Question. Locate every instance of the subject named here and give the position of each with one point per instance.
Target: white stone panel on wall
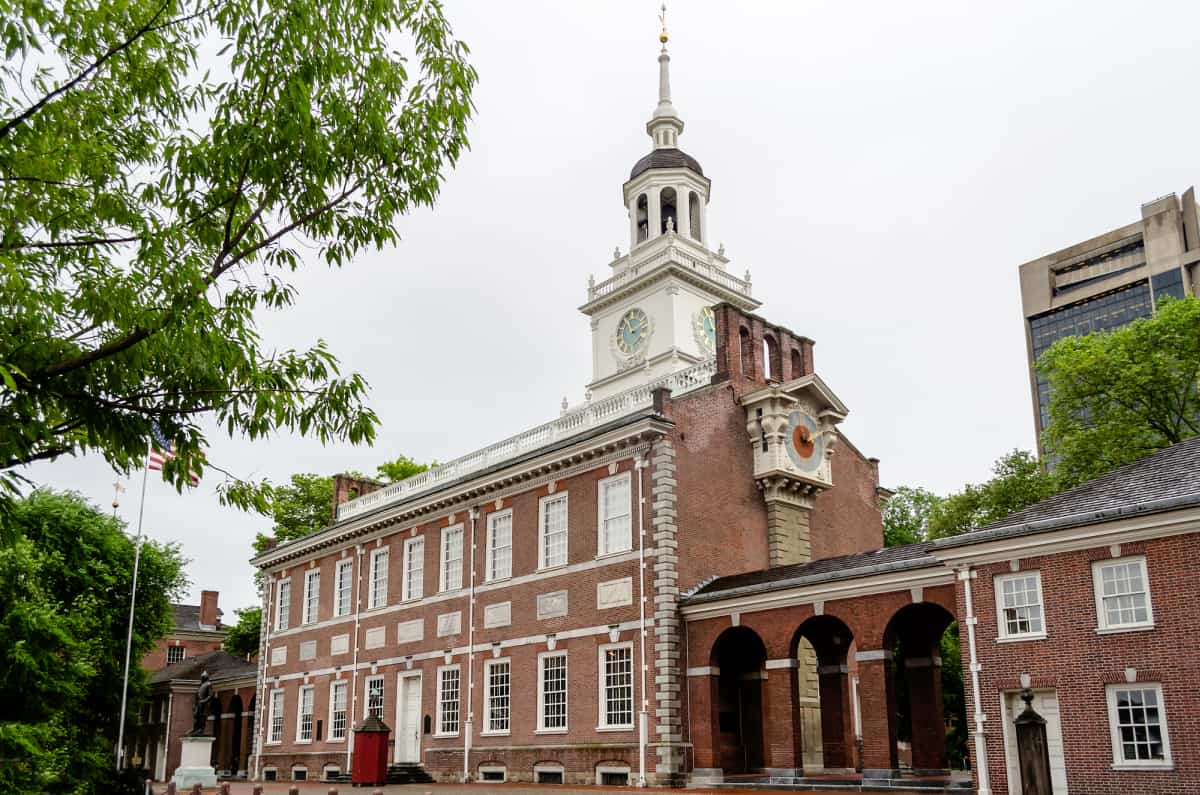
(308, 650)
(409, 631)
(614, 593)
(552, 605)
(279, 655)
(375, 637)
(449, 624)
(339, 644)
(497, 615)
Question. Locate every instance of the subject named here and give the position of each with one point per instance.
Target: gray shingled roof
(861, 564)
(666, 158)
(220, 664)
(187, 617)
(1166, 480)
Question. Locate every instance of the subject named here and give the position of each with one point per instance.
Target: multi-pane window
(174, 654)
(375, 697)
(377, 596)
(452, 558)
(345, 587)
(552, 521)
(304, 717)
(1019, 605)
(497, 702)
(283, 604)
(337, 710)
(312, 594)
(1122, 593)
(449, 688)
(275, 717)
(499, 545)
(615, 513)
(552, 692)
(1139, 726)
(616, 686)
(414, 568)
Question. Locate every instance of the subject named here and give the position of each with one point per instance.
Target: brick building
(195, 629)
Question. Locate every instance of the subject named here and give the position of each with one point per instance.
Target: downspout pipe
(470, 727)
(353, 706)
(981, 772)
(643, 717)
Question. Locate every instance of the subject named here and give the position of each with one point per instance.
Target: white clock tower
(652, 316)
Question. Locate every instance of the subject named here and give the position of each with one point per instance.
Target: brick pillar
(702, 689)
(924, 675)
(837, 716)
(877, 700)
(781, 718)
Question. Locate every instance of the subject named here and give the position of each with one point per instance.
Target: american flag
(162, 451)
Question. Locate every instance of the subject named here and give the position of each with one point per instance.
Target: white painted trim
(541, 529)
(600, 486)
(411, 544)
(775, 665)
(490, 547)
(400, 693)
(602, 696)
(333, 683)
(311, 576)
(488, 665)
(998, 596)
(438, 731)
(367, 694)
(1167, 762)
(602, 769)
(300, 712)
(376, 575)
(704, 670)
(873, 655)
(343, 565)
(444, 584)
(542, 728)
(271, 714)
(279, 600)
(1098, 591)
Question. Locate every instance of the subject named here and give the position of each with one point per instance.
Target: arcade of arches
(818, 686)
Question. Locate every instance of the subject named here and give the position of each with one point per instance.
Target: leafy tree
(906, 515)
(1018, 480)
(403, 467)
(156, 193)
(242, 638)
(1119, 395)
(64, 606)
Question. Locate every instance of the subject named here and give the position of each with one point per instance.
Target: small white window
(615, 514)
(175, 654)
(414, 568)
(374, 697)
(499, 545)
(275, 718)
(552, 691)
(345, 586)
(337, 710)
(304, 715)
(616, 686)
(283, 604)
(449, 688)
(312, 595)
(552, 521)
(495, 774)
(1137, 719)
(377, 596)
(1122, 594)
(1019, 605)
(497, 699)
(452, 558)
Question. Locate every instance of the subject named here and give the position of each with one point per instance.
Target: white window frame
(566, 531)
(1119, 762)
(438, 730)
(182, 654)
(603, 724)
(445, 582)
(310, 690)
(367, 695)
(412, 578)
(333, 688)
(343, 582)
(378, 579)
(542, 728)
(1002, 631)
(275, 717)
(488, 665)
(311, 611)
(601, 538)
(1102, 624)
(283, 604)
(491, 572)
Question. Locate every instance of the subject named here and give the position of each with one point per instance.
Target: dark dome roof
(666, 158)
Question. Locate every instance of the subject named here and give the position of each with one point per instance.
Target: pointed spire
(664, 126)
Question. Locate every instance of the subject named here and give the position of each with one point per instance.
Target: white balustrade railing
(672, 249)
(572, 422)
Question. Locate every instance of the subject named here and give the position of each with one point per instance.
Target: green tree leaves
(906, 515)
(243, 637)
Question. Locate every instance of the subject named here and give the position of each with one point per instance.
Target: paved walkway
(313, 788)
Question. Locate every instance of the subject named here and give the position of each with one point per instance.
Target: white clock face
(633, 332)
(804, 443)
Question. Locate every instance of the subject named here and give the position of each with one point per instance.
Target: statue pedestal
(194, 767)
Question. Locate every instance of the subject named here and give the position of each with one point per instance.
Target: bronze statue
(204, 697)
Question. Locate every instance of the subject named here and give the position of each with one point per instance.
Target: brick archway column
(837, 716)
(702, 690)
(924, 676)
(877, 699)
(781, 718)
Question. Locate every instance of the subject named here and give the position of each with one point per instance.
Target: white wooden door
(1045, 703)
(408, 719)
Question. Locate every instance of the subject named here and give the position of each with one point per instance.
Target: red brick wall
(846, 518)
(156, 659)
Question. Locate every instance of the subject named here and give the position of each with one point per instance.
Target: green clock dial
(633, 331)
(704, 327)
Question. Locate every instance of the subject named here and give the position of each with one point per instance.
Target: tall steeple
(664, 126)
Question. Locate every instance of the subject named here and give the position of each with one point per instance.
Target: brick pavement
(314, 788)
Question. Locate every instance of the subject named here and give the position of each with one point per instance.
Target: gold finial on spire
(663, 19)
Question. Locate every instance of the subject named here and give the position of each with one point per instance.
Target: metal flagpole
(137, 556)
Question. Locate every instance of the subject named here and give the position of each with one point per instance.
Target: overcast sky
(881, 168)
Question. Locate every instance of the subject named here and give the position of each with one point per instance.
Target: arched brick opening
(214, 712)
(747, 352)
(668, 218)
(797, 364)
(739, 654)
(914, 635)
(772, 360)
(642, 208)
(832, 643)
(233, 761)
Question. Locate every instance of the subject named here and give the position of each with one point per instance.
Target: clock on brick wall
(804, 443)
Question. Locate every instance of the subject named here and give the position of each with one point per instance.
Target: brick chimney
(208, 608)
(347, 487)
(752, 352)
